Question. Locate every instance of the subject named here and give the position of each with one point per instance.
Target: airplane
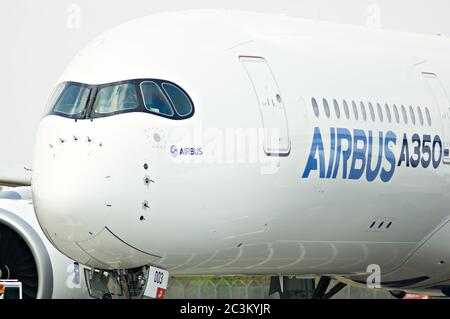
(30, 267)
(216, 142)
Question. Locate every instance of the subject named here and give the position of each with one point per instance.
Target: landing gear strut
(123, 284)
(293, 288)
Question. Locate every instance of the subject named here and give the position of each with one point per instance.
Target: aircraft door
(442, 102)
(276, 134)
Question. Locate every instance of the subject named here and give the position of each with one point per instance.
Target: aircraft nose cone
(71, 188)
(70, 201)
(90, 183)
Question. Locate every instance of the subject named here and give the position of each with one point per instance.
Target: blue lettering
(404, 154)
(371, 174)
(386, 175)
(426, 149)
(316, 147)
(437, 142)
(342, 134)
(359, 154)
(332, 152)
(416, 153)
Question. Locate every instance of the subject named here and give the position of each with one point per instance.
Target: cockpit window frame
(171, 99)
(77, 116)
(92, 115)
(88, 112)
(166, 99)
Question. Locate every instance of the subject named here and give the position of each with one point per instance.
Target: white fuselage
(204, 196)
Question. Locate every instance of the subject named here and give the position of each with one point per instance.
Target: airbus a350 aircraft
(221, 143)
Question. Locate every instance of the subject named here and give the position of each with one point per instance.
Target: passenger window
(355, 110)
(326, 108)
(179, 99)
(380, 112)
(346, 111)
(315, 107)
(363, 111)
(388, 113)
(73, 100)
(427, 112)
(419, 111)
(116, 98)
(372, 113)
(155, 100)
(413, 116)
(337, 109)
(397, 115)
(405, 116)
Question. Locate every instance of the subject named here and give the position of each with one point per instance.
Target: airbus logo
(369, 155)
(174, 151)
(186, 151)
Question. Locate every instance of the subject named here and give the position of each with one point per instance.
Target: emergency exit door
(271, 105)
(442, 102)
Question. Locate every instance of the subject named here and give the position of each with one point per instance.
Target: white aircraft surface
(223, 143)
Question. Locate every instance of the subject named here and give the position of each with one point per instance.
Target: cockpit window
(73, 100)
(180, 101)
(80, 101)
(155, 100)
(116, 98)
(54, 97)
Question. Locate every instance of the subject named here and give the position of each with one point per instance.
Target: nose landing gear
(135, 283)
(112, 284)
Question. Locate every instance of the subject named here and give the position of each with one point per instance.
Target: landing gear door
(442, 102)
(271, 105)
